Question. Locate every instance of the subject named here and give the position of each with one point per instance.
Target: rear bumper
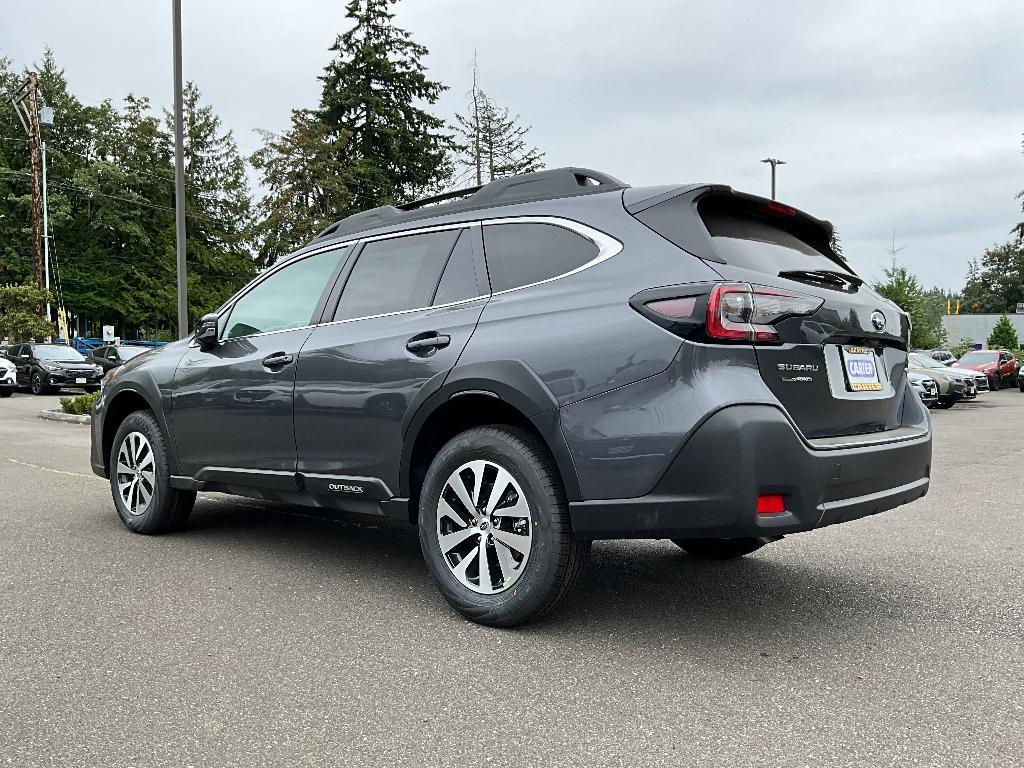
(710, 489)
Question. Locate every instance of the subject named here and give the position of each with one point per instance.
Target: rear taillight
(738, 312)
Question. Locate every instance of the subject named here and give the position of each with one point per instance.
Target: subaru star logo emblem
(878, 320)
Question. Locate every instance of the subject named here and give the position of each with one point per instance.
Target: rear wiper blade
(823, 276)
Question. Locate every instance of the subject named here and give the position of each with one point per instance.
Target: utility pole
(25, 101)
(179, 176)
(774, 163)
(46, 238)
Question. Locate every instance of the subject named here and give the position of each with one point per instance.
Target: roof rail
(541, 185)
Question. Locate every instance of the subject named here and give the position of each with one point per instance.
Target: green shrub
(1004, 335)
(79, 406)
(961, 349)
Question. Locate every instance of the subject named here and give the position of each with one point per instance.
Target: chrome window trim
(607, 246)
(406, 311)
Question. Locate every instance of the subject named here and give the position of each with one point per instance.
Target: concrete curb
(70, 418)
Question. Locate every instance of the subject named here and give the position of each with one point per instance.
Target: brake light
(770, 504)
(779, 209)
(742, 312)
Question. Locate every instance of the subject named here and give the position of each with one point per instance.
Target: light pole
(774, 163)
(179, 176)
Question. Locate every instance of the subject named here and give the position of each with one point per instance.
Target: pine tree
(218, 208)
(1004, 335)
(491, 141)
(306, 183)
(371, 92)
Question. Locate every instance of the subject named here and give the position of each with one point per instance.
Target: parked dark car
(48, 368)
(112, 355)
(526, 366)
(998, 365)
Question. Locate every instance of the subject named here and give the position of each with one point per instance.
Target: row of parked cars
(48, 368)
(941, 380)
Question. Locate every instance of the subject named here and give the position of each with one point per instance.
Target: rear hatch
(831, 350)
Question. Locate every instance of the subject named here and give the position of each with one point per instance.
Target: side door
(18, 356)
(408, 306)
(101, 356)
(1007, 365)
(231, 406)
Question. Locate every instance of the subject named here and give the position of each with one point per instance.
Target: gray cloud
(904, 116)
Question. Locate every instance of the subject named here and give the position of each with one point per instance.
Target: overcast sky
(890, 115)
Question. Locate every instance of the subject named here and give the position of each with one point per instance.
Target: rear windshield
(755, 236)
(979, 358)
(57, 353)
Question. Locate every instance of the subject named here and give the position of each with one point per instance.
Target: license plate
(861, 370)
(79, 381)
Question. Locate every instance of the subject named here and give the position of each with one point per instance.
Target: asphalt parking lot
(264, 635)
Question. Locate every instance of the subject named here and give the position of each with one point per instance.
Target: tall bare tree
(491, 141)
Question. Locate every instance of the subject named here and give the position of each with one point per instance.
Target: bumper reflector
(770, 504)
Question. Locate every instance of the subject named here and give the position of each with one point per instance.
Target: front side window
(395, 274)
(286, 299)
(523, 254)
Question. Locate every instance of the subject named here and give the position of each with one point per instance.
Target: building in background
(977, 327)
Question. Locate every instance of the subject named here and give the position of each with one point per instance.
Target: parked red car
(999, 365)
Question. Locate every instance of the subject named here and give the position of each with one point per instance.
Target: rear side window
(395, 274)
(285, 299)
(523, 254)
(459, 279)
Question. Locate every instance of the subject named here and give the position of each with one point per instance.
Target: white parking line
(55, 471)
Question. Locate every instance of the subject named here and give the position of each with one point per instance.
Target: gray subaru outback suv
(523, 367)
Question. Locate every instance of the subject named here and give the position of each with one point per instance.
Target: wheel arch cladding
(123, 404)
(453, 411)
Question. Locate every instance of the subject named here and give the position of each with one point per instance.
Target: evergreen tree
(306, 183)
(372, 92)
(836, 243)
(1004, 335)
(218, 208)
(903, 288)
(491, 142)
(996, 283)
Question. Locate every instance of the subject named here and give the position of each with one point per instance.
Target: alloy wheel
(37, 384)
(484, 527)
(136, 473)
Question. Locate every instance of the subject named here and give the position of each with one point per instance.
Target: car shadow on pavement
(642, 592)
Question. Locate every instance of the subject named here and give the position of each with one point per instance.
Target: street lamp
(774, 163)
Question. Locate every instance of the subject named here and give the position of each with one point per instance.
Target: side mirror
(207, 335)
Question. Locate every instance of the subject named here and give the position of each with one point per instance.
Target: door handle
(277, 360)
(436, 341)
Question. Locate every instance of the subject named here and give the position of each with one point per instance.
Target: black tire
(719, 549)
(168, 507)
(556, 559)
(8, 391)
(945, 404)
(995, 383)
(37, 386)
